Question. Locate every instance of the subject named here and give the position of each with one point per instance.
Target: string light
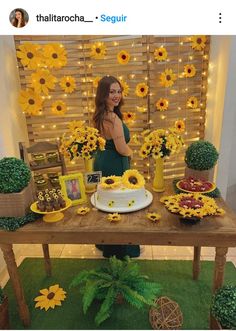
(135, 59)
(180, 60)
(65, 95)
(54, 126)
(42, 126)
(115, 43)
(163, 117)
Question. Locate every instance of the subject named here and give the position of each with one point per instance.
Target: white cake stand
(107, 209)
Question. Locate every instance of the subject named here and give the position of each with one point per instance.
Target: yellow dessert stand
(51, 216)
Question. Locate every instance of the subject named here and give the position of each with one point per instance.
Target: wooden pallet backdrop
(142, 67)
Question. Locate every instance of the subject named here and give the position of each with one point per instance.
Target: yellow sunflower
(55, 55)
(74, 125)
(123, 57)
(115, 217)
(85, 154)
(98, 50)
(129, 116)
(43, 81)
(68, 84)
(179, 126)
(30, 102)
(29, 55)
(143, 152)
(192, 102)
(189, 70)
(167, 78)
(83, 210)
(141, 90)
(198, 42)
(162, 104)
(96, 81)
(133, 179)
(125, 88)
(154, 217)
(160, 54)
(59, 107)
(50, 297)
(101, 143)
(110, 182)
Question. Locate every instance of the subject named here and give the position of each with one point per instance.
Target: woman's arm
(117, 134)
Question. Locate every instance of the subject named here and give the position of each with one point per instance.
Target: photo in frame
(73, 188)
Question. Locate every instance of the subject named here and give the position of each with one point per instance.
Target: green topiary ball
(201, 155)
(223, 306)
(14, 175)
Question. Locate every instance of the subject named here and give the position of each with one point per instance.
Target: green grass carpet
(175, 278)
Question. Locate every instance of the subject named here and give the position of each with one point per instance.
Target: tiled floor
(90, 251)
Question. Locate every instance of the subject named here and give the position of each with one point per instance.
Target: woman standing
(114, 160)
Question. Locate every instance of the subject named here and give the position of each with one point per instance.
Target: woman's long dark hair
(15, 21)
(102, 94)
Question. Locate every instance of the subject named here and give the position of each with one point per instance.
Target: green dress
(110, 162)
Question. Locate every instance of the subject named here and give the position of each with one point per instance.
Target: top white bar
(92, 17)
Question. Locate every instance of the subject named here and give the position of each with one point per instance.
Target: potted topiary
(200, 158)
(119, 281)
(223, 308)
(4, 316)
(16, 189)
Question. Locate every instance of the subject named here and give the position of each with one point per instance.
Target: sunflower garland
(82, 141)
(179, 126)
(132, 179)
(59, 108)
(189, 70)
(192, 205)
(129, 117)
(125, 88)
(198, 42)
(55, 55)
(110, 182)
(192, 102)
(30, 102)
(123, 57)
(115, 217)
(160, 54)
(30, 55)
(160, 143)
(154, 217)
(68, 84)
(98, 51)
(43, 81)
(162, 104)
(83, 211)
(50, 298)
(167, 78)
(141, 90)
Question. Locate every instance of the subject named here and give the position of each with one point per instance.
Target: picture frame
(72, 187)
(93, 177)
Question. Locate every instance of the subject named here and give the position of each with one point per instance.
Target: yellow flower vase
(88, 164)
(158, 182)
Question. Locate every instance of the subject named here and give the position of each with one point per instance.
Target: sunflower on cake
(122, 193)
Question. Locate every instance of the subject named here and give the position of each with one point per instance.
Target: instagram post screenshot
(117, 165)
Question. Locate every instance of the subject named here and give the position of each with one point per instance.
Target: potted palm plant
(200, 158)
(16, 189)
(223, 308)
(4, 316)
(119, 281)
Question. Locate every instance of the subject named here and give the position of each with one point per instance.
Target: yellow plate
(212, 189)
(51, 216)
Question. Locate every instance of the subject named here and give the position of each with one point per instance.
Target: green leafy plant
(14, 175)
(223, 306)
(201, 155)
(2, 296)
(119, 278)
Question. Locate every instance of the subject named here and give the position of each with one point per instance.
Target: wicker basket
(17, 204)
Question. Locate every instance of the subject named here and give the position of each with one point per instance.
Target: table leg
(220, 260)
(9, 258)
(47, 261)
(196, 262)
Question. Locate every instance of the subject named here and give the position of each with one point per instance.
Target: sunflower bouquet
(82, 142)
(160, 143)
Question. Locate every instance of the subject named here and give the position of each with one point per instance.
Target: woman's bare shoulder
(111, 117)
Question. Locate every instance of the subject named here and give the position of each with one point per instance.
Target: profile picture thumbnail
(19, 17)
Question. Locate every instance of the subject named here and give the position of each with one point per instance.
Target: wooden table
(134, 228)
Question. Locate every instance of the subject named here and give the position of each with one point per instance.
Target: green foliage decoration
(223, 306)
(14, 175)
(1, 296)
(120, 277)
(14, 223)
(201, 155)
